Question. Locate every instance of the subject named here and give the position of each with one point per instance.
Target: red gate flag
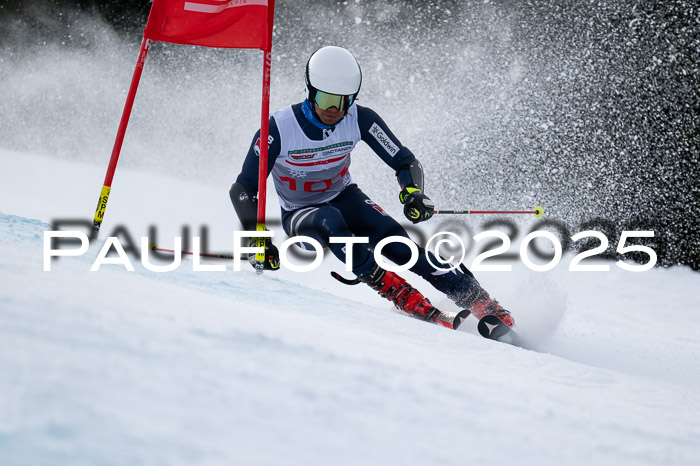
(212, 23)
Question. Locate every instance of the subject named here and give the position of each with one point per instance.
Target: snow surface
(220, 368)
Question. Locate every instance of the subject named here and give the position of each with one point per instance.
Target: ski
(493, 328)
(451, 320)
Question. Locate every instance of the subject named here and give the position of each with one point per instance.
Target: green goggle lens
(326, 100)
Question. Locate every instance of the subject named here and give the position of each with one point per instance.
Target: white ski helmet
(336, 74)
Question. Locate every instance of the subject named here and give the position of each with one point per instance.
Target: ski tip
(493, 328)
(343, 280)
(459, 318)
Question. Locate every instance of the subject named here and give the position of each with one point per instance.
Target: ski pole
(538, 212)
(154, 247)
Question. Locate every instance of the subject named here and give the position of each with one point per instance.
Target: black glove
(417, 207)
(272, 255)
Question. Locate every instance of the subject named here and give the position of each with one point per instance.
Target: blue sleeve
(385, 144)
(249, 173)
(379, 137)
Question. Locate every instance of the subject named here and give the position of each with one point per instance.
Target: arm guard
(410, 174)
(246, 205)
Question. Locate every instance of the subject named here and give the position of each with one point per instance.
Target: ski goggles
(325, 100)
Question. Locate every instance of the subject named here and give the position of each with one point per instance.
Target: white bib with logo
(311, 172)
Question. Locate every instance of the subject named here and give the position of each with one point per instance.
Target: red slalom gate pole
(264, 134)
(538, 212)
(116, 150)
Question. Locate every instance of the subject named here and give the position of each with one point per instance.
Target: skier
(309, 156)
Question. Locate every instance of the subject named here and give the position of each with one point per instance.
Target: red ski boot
(485, 304)
(404, 296)
(478, 301)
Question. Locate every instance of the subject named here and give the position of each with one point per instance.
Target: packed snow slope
(229, 368)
